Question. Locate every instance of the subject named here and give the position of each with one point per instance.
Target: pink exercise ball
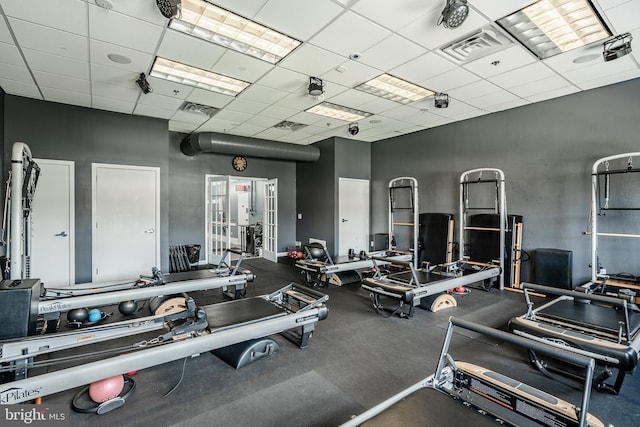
(108, 388)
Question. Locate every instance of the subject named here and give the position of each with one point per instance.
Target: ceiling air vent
(477, 45)
(205, 110)
(285, 125)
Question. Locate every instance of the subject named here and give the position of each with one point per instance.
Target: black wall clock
(239, 163)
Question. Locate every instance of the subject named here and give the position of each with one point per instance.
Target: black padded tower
(484, 245)
(19, 307)
(554, 267)
(434, 237)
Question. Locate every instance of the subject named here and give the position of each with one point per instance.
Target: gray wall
(187, 192)
(546, 151)
(86, 136)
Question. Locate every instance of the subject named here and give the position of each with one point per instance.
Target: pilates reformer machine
(320, 269)
(433, 286)
(462, 393)
(601, 318)
(291, 311)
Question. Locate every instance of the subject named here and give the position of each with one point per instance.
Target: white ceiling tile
(610, 79)
(189, 117)
(111, 104)
(247, 106)
(495, 10)
(5, 35)
(216, 125)
(66, 97)
(113, 76)
(153, 111)
(601, 69)
(183, 127)
(391, 52)
(284, 80)
(121, 93)
(131, 32)
(564, 62)
(168, 88)
(309, 17)
(507, 105)
(426, 31)
(232, 116)
(9, 54)
(62, 82)
(553, 94)
(608, 4)
(65, 15)
(304, 118)
(454, 109)
(500, 62)
(140, 61)
(262, 121)
(41, 61)
(15, 73)
(378, 105)
(540, 86)
(393, 14)
(352, 98)
(624, 17)
(241, 66)
(473, 90)
(297, 101)
(246, 8)
(13, 87)
(362, 34)
(207, 97)
(161, 101)
(277, 112)
(423, 67)
(201, 54)
(495, 98)
(259, 94)
(247, 129)
(145, 10)
(45, 39)
(311, 61)
(522, 75)
(350, 73)
(449, 80)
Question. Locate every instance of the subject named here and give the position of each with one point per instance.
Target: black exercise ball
(78, 315)
(128, 307)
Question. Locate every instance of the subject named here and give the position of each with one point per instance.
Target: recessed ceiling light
(550, 27)
(395, 89)
(120, 59)
(220, 26)
(167, 69)
(339, 112)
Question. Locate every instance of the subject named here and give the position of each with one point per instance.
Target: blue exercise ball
(94, 315)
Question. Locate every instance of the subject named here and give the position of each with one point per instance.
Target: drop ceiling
(58, 51)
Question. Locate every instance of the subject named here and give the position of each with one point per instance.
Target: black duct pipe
(211, 142)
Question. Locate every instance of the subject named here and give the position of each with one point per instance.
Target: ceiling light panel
(395, 89)
(339, 112)
(184, 74)
(550, 27)
(217, 25)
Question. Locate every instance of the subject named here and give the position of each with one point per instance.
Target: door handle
(61, 234)
(149, 231)
(344, 220)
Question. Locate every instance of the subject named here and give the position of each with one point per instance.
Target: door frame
(94, 240)
(72, 213)
(367, 245)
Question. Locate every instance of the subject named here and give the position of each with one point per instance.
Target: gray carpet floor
(356, 359)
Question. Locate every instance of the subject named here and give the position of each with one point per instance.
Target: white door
(270, 226)
(217, 213)
(53, 224)
(126, 221)
(353, 211)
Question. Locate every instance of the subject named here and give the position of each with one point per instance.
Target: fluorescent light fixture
(550, 27)
(217, 25)
(339, 112)
(167, 69)
(395, 89)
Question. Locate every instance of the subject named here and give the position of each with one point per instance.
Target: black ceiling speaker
(454, 13)
(169, 8)
(617, 47)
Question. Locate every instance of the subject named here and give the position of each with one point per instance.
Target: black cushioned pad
(605, 319)
(190, 275)
(429, 407)
(423, 277)
(241, 311)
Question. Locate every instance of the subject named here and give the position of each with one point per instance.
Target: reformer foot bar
(603, 328)
(424, 287)
(326, 270)
(233, 282)
(291, 311)
(461, 393)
